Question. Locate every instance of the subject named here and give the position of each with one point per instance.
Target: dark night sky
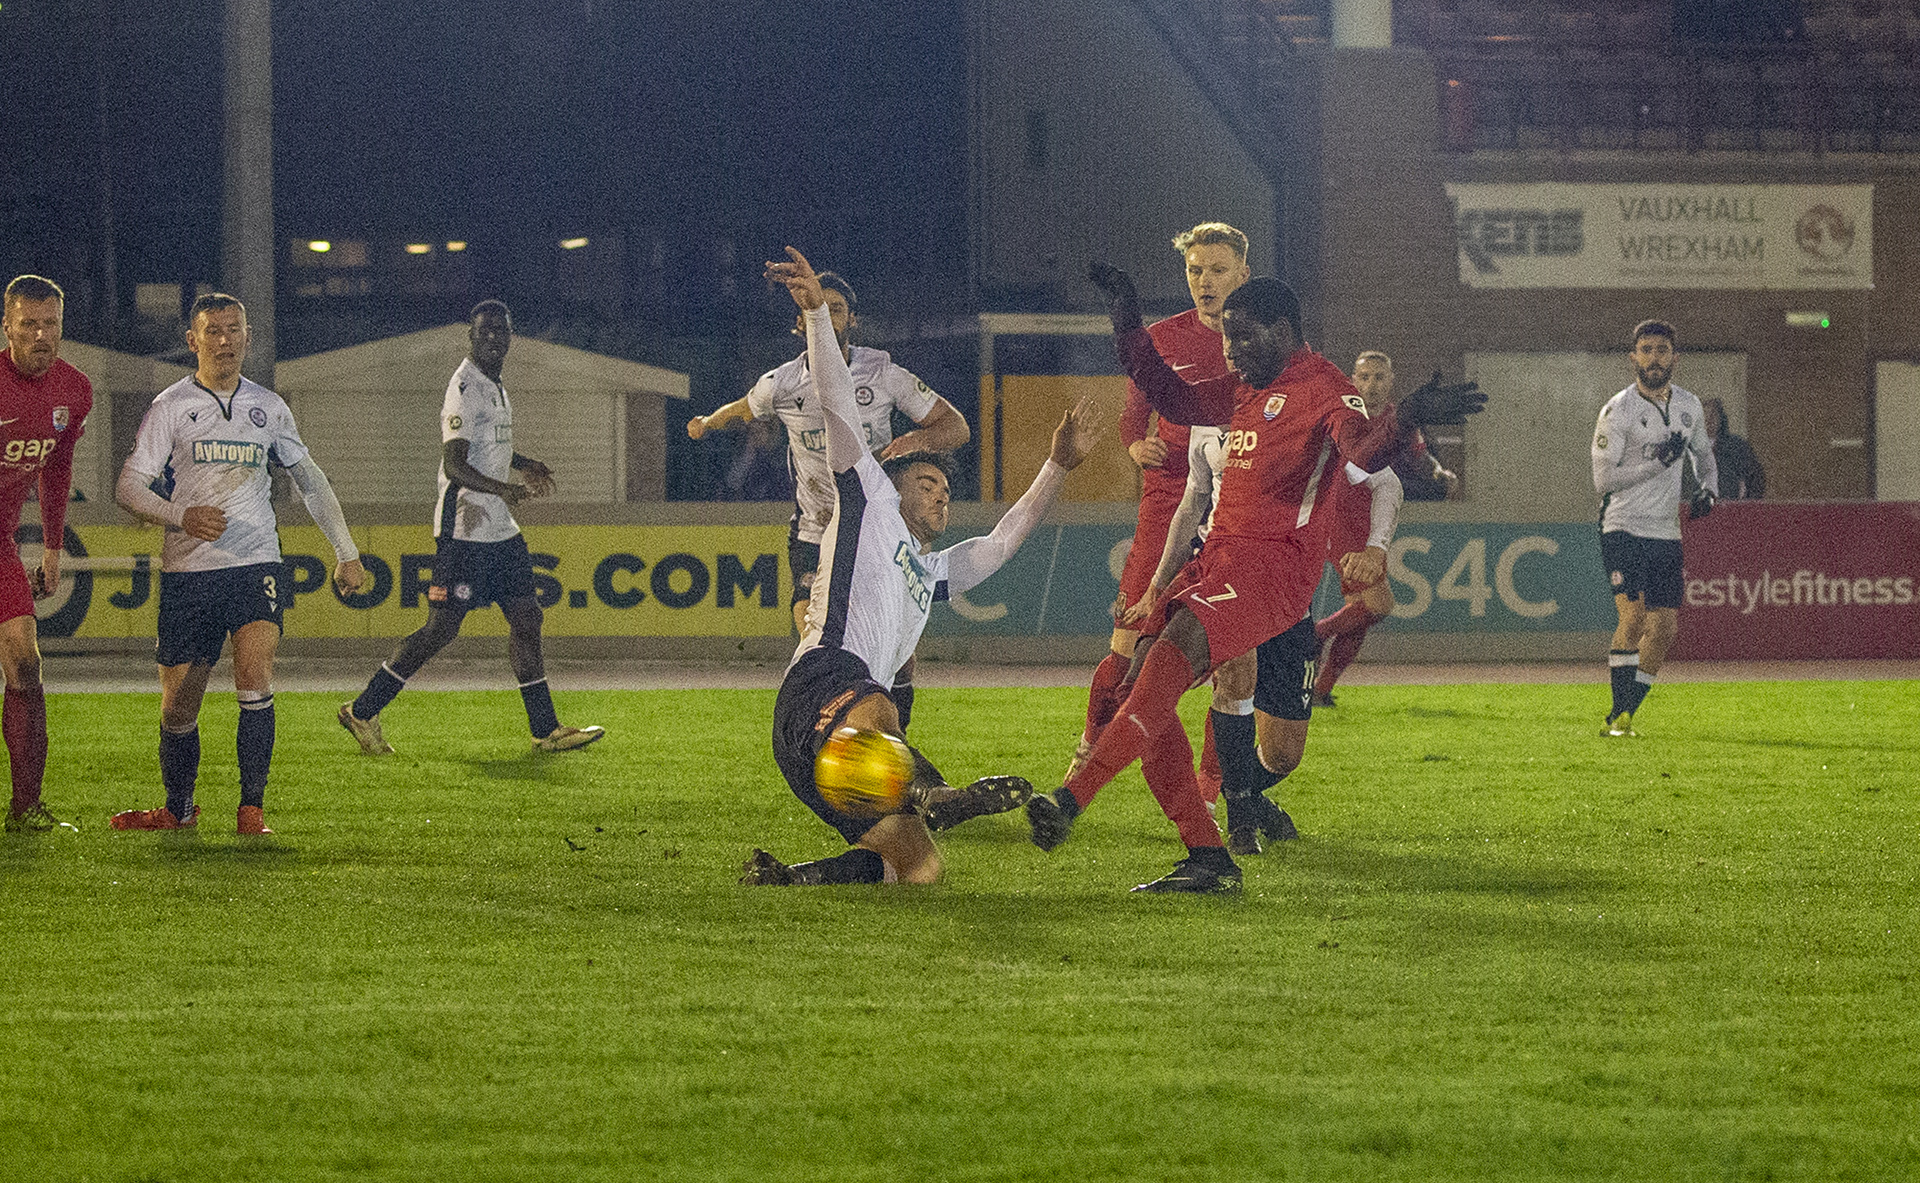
(761, 121)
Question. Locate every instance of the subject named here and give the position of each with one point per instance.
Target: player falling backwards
(879, 388)
(43, 403)
(1291, 414)
(879, 578)
(1637, 443)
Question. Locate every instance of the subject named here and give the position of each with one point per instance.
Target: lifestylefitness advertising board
(1762, 580)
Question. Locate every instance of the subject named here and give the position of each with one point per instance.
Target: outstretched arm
(832, 381)
(971, 561)
(1209, 401)
(732, 415)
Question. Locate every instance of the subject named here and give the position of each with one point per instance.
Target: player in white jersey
(879, 388)
(1641, 435)
(480, 556)
(881, 578)
(200, 468)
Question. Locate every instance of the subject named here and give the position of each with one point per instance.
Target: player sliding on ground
(878, 580)
(1292, 418)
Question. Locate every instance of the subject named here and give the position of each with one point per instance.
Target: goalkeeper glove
(1123, 299)
(1701, 505)
(1670, 448)
(1437, 403)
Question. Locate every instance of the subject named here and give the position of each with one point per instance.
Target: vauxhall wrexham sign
(1664, 236)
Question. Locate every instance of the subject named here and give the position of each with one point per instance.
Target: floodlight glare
(319, 246)
(572, 244)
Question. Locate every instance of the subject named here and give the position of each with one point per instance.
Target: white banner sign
(1664, 236)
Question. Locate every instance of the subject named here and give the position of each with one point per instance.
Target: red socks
(23, 720)
(1353, 616)
(1210, 774)
(1103, 696)
(1144, 726)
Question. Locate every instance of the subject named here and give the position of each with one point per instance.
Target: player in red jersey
(1364, 513)
(1216, 263)
(43, 402)
(1290, 415)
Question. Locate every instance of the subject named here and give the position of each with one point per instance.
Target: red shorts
(1157, 507)
(16, 594)
(1245, 590)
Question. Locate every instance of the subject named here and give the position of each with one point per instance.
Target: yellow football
(864, 773)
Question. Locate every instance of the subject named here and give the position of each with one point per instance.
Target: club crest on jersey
(863, 395)
(1686, 418)
(258, 416)
(240, 453)
(918, 589)
(1356, 402)
(454, 422)
(1273, 405)
(61, 417)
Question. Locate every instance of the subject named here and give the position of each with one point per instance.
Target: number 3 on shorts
(267, 585)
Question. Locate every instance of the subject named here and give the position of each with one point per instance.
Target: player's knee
(22, 669)
(1278, 758)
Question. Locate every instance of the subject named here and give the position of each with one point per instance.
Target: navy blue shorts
(468, 575)
(814, 699)
(1644, 569)
(1288, 664)
(200, 609)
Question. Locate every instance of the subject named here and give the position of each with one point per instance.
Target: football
(864, 773)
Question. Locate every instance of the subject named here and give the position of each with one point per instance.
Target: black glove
(1701, 505)
(1123, 299)
(1671, 448)
(1437, 403)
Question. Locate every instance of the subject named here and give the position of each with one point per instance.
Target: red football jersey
(40, 421)
(1194, 352)
(1285, 441)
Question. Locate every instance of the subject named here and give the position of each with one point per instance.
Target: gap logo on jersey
(1240, 441)
(918, 589)
(239, 453)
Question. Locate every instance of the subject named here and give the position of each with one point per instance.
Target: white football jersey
(787, 393)
(209, 450)
(1640, 495)
(875, 587)
(476, 410)
(1206, 454)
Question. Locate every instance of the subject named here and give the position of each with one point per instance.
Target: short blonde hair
(1373, 355)
(1212, 234)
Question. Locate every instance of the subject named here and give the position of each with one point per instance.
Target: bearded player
(1291, 416)
(43, 403)
(881, 577)
(1216, 264)
(1366, 507)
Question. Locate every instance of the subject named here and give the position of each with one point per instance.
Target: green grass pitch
(1505, 949)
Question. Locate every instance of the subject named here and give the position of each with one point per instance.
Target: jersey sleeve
(914, 398)
(760, 398)
(1613, 468)
(1705, 463)
(462, 413)
(287, 449)
(1208, 401)
(153, 446)
(56, 476)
